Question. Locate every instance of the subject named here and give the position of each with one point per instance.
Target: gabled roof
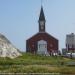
(41, 34)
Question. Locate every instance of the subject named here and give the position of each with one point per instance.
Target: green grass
(36, 63)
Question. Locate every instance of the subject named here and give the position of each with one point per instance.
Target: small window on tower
(42, 27)
(42, 23)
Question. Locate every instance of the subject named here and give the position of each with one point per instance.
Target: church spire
(42, 21)
(42, 16)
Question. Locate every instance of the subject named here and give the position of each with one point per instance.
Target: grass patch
(36, 63)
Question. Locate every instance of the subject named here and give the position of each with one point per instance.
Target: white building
(70, 42)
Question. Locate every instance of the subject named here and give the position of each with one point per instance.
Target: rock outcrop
(7, 49)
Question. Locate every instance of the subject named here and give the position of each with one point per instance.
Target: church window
(51, 45)
(32, 45)
(39, 46)
(45, 46)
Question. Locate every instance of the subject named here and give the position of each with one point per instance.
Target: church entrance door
(42, 47)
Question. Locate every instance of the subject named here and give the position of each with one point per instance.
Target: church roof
(43, 35)
(42, 16)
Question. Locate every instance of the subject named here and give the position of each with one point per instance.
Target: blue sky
(19, 19)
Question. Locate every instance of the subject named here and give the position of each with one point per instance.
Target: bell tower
(42, 21)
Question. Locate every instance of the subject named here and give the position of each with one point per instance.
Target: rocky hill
(7, 49)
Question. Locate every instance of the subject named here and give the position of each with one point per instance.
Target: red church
(42, 42)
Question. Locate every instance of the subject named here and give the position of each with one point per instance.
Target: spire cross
(41, 2)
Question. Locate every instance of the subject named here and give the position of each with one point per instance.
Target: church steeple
(42, 16)
(42, 21)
